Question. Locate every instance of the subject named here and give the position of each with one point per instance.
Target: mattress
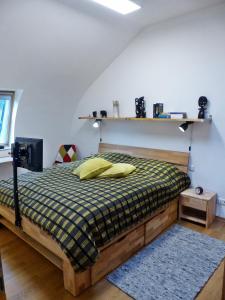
(82, 216)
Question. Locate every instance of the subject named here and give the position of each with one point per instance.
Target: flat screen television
(29, 153)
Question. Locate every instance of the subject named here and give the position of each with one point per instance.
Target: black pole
(15, 185)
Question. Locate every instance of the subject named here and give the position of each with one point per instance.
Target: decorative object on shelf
(178, 115)
(94, 114)
(97, 123)
(140, 107)
(103, 113)
(164, 116)
(199, 190)
(183, 127)
(157, 109)
(202, 103)
(116, 111)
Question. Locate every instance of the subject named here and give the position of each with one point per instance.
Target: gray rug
(175, 266)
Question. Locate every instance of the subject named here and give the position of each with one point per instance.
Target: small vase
(116, 113)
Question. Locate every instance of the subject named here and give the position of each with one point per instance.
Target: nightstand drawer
(194, 203)
(118, 253)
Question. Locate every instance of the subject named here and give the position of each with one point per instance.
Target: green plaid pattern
(83, 215)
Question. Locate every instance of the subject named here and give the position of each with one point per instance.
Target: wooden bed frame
(115, 252)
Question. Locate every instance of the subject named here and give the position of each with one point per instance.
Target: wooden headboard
(179, 159)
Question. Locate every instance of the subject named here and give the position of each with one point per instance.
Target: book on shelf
(178, 115)
(164, 116)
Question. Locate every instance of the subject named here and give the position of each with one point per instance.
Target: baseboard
(220, 219)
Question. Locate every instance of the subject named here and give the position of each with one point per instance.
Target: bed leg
(75, 283)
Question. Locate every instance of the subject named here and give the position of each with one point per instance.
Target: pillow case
(118, 170)
(92, 168)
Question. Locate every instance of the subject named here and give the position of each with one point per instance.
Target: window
(6, 106)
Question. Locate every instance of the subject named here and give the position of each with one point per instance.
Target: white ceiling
(153, 11)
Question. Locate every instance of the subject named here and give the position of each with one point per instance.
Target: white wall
(45, 51)
(6, 170)
(174, 62)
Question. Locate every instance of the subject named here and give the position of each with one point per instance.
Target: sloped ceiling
(51, 43)
(119, 30)
(153, 11)
(68, 43)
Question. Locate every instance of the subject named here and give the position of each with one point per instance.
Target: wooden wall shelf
(147, 119)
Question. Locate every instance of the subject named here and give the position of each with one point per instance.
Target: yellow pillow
(92, 168)
(118, 170)
(77, 171)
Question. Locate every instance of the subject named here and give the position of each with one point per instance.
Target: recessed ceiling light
(123, 7)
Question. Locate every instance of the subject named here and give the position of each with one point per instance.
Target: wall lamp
(183, 127)
(97, 123)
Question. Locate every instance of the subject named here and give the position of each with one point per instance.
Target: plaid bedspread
(81, 216)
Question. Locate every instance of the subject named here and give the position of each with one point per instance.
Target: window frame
(12, 95)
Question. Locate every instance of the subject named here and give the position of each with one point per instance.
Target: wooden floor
(30, 276)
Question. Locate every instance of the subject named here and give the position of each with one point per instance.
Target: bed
(88, 228)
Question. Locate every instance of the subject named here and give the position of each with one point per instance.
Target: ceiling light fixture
(123, 7)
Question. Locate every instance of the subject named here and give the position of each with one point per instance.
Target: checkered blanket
(83, 215)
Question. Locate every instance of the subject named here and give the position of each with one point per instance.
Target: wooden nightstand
(197, 208)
